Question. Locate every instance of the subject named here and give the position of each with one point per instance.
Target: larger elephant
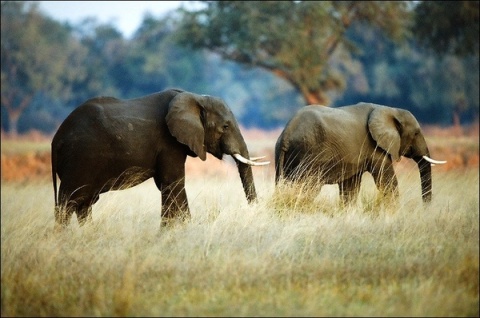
(337, 145)
(109, 144)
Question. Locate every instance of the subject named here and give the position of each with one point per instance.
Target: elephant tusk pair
(251, 161)
(433, 162)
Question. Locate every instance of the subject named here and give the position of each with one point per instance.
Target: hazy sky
(126, 16)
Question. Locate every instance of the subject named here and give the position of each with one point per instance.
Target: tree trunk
(14, 113)
(457, 127)
(13, 123)
(315, 97)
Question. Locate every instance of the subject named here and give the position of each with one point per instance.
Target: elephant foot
(168, 223)
(59, 228)
(173, 218)
(85, 220)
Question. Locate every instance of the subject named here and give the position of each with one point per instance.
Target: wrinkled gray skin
(110, 144)
(337, 145)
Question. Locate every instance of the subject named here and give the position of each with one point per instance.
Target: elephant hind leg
(78, 201)
(349, 189)
(63, 213)
(84, 211)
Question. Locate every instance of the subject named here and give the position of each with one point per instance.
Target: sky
(126, 16)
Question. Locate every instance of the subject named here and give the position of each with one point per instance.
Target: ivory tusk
(257, 158)
(248, 161)
(432, 161)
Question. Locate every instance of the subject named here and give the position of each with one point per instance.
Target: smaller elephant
(112, 144)
(337, 145)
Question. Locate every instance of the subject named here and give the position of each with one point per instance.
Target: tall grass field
(293, 253)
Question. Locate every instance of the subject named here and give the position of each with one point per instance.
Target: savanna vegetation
(293, 253)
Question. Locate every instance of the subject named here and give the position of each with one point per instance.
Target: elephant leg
(84, 211)
(64, 209)
(63, 214)
(84, 214)
(174, 202)
(386, 181)
(78, 201)
(349, 189)
(171, 184)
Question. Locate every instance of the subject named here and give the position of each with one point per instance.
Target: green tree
(451, 29)
(448, 27)
(303, 42)
(35, 56)
(446, 89)
(103, 49)
(153, 61)
(436, 89)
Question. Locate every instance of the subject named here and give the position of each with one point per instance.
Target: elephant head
(397, 132)
(205, 124)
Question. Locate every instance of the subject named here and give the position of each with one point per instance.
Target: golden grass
(309, 258)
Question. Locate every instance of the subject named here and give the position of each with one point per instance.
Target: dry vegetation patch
(235, 259)
(296, 252)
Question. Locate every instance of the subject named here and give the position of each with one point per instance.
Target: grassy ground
(283, 256)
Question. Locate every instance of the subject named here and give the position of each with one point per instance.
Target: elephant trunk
(420, 153)
(239, 151)
(425, 169)
(245, 170)
(246, 175)
(244, 165)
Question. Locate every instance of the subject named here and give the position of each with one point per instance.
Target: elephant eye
(225, 127)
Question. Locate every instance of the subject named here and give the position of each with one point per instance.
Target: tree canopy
(448, 26)
(265, 60)
(299, 41)
(37, 56)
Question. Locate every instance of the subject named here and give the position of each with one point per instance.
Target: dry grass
(272, 258)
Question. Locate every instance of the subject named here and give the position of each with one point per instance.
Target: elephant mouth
(218, 155)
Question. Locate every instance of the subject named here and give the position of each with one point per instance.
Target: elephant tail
(54, 173)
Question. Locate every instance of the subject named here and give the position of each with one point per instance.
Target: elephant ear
(185, 123)
(382, 125)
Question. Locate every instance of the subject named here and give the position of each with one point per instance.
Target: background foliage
(265, 61)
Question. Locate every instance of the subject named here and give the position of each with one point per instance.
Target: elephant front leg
(84, 211)
(174, 203)
(174, 198)
(386, 181)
